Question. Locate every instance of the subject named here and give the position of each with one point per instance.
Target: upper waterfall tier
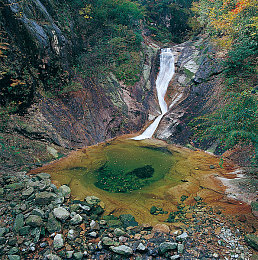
(167, 70)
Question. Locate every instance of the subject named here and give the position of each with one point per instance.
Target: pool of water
(132, 176)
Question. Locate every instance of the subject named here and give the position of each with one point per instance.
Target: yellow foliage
(17, 82)
(226, 17)
(86, 11)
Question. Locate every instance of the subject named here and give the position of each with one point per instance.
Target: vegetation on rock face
(233, 26)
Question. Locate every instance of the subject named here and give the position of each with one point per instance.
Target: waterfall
(167, 70)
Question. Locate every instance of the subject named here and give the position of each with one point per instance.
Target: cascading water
(167, 70)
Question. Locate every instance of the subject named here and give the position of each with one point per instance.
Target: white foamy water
(167, 70)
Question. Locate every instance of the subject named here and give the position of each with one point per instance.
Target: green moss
(121, 181)
(188, 73)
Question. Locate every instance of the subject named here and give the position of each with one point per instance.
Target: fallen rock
(76, 219)
(92, 200)
(141, 247)
(122, 250)
(65, 191)
(107, 241)
(61, 213)
(34, 221)
(252, 241)
(58, 241)
(162, 228)
(26, 193)
(18, 223)
(166, 246)
(182, 237)
(128, 220)
(118, 232)
(45, 197)
(53, 225)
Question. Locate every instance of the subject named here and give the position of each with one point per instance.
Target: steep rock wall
(50, 126)
(197, 81)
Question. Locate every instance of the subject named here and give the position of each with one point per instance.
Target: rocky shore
(40, 221)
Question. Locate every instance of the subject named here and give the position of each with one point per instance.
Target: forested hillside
(232, 27)
(50, 49)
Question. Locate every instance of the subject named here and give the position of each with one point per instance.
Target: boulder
(122, 250)
(252, 241)
(167, 246)
(43, 198)
(128, 220)
(65, 191)
(61, 213)
(58, 241)
(34, 221)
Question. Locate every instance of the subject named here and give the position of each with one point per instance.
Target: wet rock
(34, 221)
(122, 250)
(26, 193)
(43, 176)
(167, 246)
(14, 257)
(78, 255)
(161, 228)
(53, 225)
(252, 241)
(76, 219)
(141, 247)
(65, 191)
(94, 225)
(118, 232)
(180, 248)
(114, 223)
(107, 241)
(182, 237)
(61, 213)
(128, 220)
(53, 257)
(18, 223)
(44, 197)
(58, 241)
(92, 200)
(153, 209)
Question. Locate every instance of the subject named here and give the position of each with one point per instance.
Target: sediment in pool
(176, 171)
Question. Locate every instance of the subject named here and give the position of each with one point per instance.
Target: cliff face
(101, 108)
(196, 84)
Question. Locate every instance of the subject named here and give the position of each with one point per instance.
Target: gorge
(128, 129)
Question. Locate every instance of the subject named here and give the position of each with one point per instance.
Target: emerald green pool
(132, 176)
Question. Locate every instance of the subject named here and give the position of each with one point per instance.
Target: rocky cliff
(193, 91)
(49, 125)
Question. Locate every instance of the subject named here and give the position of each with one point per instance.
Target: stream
(167, 70)
(132, 174)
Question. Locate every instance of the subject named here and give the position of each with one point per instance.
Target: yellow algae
(178, 171)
